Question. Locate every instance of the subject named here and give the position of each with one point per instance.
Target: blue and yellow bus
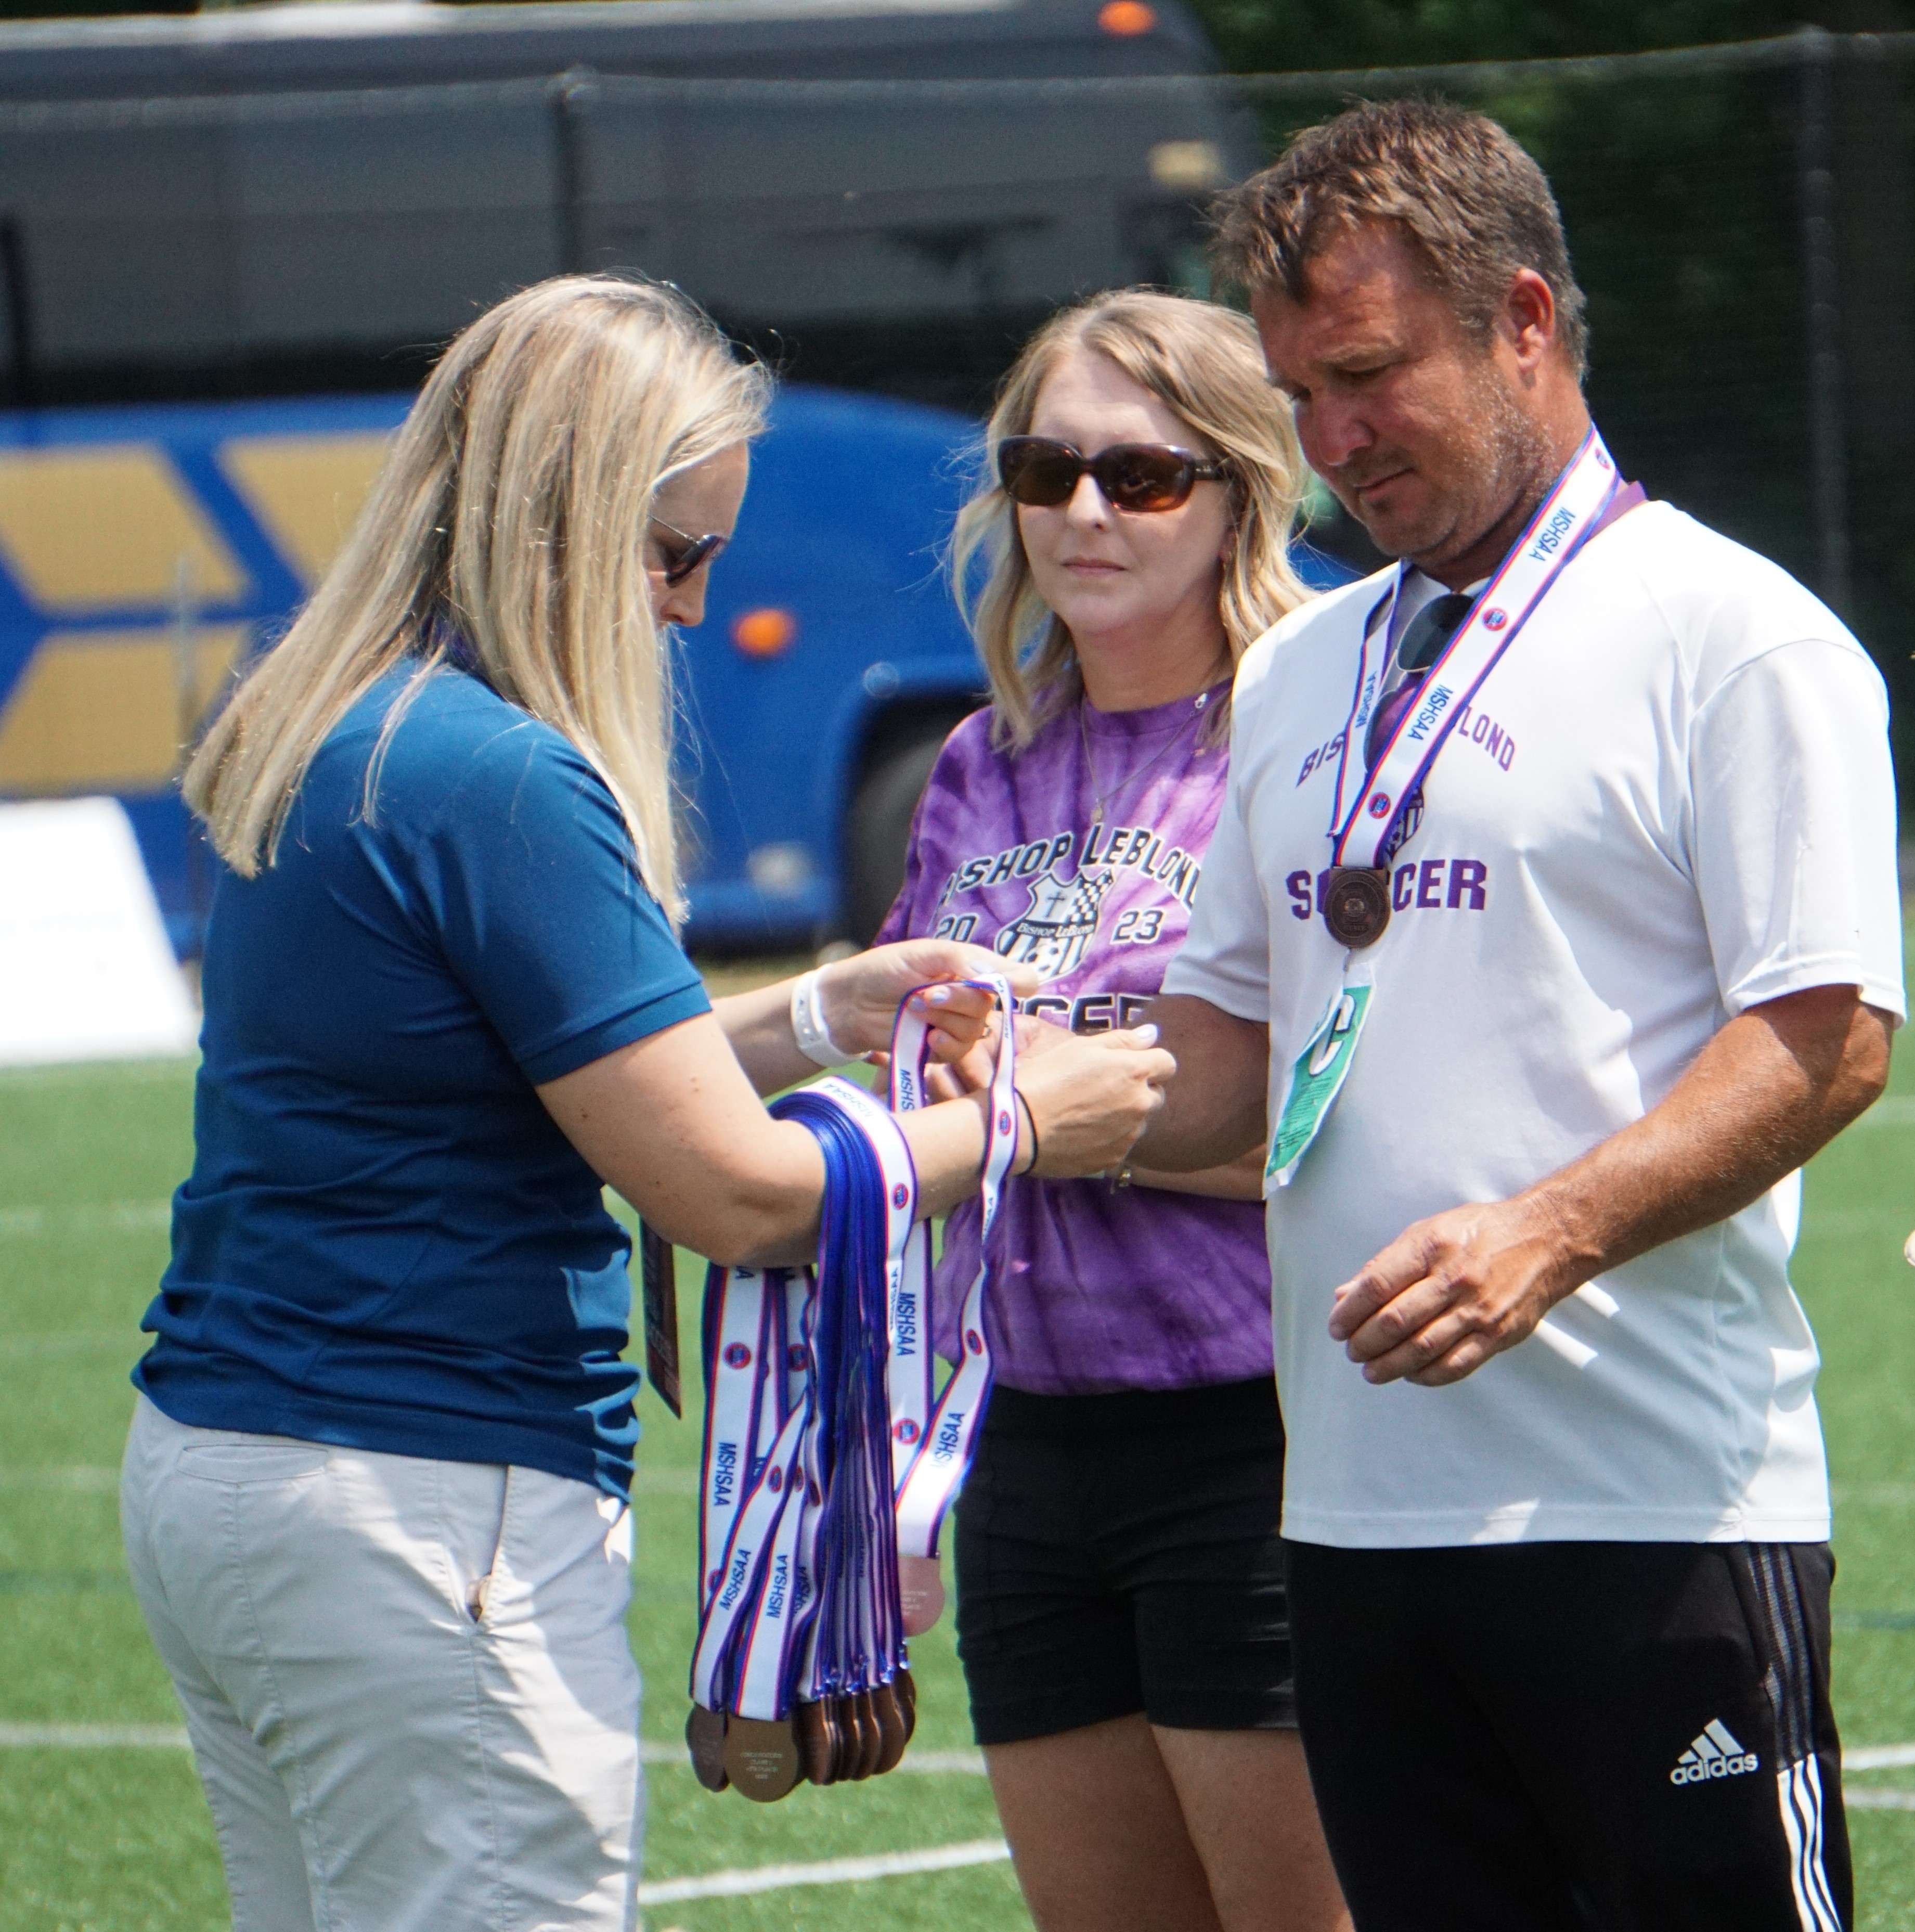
(229, 242)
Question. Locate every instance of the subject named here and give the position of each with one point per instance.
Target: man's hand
(1450, 1292)
(1778, 1082)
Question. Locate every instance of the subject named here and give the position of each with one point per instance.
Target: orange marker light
(1126, 17)
(763, 633)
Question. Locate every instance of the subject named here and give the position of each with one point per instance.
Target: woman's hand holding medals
(862, 994)
(1088, 1096)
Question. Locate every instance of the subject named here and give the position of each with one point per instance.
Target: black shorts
(1556, 1737)
(1119, 1553)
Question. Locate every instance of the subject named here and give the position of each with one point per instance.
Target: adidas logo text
(1714, 1754)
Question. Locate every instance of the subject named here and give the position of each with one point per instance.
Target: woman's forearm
(758, 1026)
(672, 1122)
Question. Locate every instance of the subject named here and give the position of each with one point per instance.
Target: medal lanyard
(946, 1441)
(797, 1543)
(736, 1310)
(1369, 804)
(813, 1377)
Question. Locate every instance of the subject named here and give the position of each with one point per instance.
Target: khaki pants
(407, 1682)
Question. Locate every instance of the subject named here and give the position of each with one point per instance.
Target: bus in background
(227, 240)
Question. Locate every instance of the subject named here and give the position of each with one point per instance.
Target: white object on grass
(86, 972)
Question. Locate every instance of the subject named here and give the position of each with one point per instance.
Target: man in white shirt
(1596, 983)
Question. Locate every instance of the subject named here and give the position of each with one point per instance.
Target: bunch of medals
(828, 1469)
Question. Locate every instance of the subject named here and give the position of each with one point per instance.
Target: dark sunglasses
(683, 553)
(1133, 476)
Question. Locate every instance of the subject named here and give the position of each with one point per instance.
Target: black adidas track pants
(1561, 1737)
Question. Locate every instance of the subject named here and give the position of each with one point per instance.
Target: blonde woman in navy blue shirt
(375, 1497)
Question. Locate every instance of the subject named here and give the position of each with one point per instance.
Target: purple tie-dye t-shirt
(1093, 1288)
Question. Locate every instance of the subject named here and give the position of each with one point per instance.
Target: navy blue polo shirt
(385, 1242)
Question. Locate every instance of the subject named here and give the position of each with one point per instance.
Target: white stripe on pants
(408, 1684)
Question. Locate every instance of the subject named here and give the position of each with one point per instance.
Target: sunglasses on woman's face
(682, 553)
(1132, 476)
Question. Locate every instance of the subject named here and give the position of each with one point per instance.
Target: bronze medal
(892, 1732)
(920, 1593)
(817, 1742)
(762, 1757)
(846, 1751)
(905, 1685)
(1356, 905)
(871, 1734)
(705, 1738)
(855, 1727)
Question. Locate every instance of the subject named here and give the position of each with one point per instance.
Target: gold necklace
(1102, 800)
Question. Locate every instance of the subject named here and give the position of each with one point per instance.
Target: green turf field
(113, 1836)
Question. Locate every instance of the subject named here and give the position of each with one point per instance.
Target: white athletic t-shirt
(1673, 801)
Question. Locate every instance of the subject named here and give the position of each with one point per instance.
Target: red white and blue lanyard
(1369, 804)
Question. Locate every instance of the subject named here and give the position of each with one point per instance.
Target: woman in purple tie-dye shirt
(1120, 1616)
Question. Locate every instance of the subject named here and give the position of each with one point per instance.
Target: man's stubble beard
(1508, 468)
(1503, 462)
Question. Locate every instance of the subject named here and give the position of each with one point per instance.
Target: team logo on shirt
(1495, 620)
(1054, 932)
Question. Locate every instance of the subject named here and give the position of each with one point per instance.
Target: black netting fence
(1741, 216)
(1743, 220)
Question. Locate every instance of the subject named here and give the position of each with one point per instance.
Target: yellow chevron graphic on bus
(117, 531)
(112, 710)
(105, 529)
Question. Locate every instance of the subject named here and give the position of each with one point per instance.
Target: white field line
(92, 1737)
(962, 1763)
(828, 1871)
(86, 1478)
(123, 1217)
(1897, 1110)
(160, 1068)
(1874, 1496)
(172, 1737)
(1861, 1798)
(127, 1341)
(734, 1884)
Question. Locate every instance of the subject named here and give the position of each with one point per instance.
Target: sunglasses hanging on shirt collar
(1135, 477)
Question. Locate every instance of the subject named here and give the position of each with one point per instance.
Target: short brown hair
(1471, 202)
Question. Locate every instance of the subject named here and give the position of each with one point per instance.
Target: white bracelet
(807, 1023)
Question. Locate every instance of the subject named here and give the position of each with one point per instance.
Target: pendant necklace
(1102, 800)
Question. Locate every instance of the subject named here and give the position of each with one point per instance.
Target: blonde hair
(509, 518)
(1203, 362)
